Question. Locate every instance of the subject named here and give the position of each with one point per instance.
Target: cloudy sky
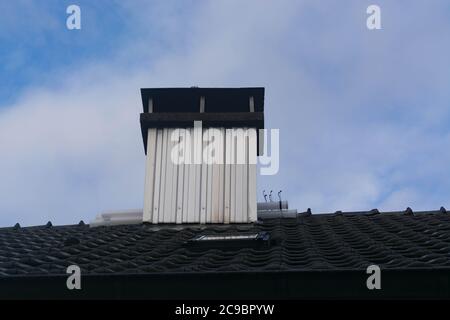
(364, 115)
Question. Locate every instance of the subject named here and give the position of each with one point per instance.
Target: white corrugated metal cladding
(181, 184)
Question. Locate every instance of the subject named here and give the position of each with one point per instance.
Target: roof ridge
(307, 213)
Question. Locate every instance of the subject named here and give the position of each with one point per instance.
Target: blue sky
(363, 115)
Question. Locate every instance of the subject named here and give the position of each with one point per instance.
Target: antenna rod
(279, 197)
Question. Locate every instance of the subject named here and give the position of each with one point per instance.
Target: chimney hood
(184, 128)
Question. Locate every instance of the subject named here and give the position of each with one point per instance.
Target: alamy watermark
(229, 146)
(373, 21)
(73, 21)
(374, 280)
(74, 280)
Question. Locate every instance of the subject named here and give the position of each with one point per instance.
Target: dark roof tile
(340, 241)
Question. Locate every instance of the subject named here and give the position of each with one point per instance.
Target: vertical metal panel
(150, 174)
(168, 178)
(203, 186)
(233, 165)
(196, 192)
(239, 177)
(174, 184)
(180, 180)
(186, 177)
(209, 181)
(198, 142)
(191, 176)
(158, 168)
(227, 179)
(206, 159)
(200, 193)
(163, 215)
(252, 146)
(244, 150)
(218, 171)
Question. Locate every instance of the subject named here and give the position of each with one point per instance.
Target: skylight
(230, 240)
(227, 237)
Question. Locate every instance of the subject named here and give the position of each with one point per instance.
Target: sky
(364, 115)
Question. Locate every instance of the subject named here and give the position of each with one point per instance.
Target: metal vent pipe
(275, 205)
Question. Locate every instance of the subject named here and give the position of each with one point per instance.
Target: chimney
(201, 146)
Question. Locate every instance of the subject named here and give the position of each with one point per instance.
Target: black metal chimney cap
(216, 99)
(215, 107)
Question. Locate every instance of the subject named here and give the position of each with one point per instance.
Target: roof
(339, 242)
